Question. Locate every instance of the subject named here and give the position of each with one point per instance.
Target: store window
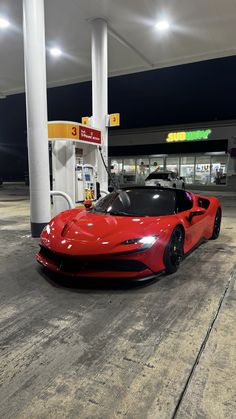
(129, 171)
(156, 164)
(219, 169)
(202, 170)
(116, 166)
(172, 163)
(187, 169)
(129, 166)
(142, 170)
(116, 173)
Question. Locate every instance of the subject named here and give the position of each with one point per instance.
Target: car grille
(74, 264)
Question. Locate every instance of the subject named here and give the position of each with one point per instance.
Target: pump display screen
(87, 178)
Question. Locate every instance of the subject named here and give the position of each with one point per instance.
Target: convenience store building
(203, 154)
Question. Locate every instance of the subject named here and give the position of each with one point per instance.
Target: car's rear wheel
(174, 251)
(183, 185)
(217, 224)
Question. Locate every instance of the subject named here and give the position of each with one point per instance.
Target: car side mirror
(195, 214)
(88, 203)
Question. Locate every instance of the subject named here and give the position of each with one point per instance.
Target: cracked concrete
(71, 349)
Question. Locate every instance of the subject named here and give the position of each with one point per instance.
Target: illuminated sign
(90, 135)
(188, 135)
(66, 130)
(85, 120)
(114, 120)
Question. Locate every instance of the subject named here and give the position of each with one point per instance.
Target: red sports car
(132, 233)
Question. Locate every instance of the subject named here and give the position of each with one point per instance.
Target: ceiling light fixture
(55, 52)
(3, 23)
(162, 25)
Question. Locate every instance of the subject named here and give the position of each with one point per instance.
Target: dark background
(189, 93)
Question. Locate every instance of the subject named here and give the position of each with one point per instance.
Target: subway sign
(188, 135)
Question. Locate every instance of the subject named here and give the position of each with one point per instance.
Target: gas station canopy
(198, 30)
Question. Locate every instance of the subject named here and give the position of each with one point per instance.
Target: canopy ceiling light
(55, 52)
(4, 23)
(162, 25)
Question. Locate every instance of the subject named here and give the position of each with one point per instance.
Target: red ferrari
(132, 233)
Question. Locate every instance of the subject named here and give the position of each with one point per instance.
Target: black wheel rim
(176, 247)
(217, 223)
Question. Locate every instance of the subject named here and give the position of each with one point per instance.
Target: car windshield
(163, 176)
(138, 202)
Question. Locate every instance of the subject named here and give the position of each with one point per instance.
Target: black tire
(183, 186)
(217, 224)
(174, 251)
(174, 186)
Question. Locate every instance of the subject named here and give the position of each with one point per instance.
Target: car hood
(93, 233)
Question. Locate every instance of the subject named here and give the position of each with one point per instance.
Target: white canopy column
(99, 92)
(36, 107)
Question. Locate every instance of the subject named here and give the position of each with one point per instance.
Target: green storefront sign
(188, 135)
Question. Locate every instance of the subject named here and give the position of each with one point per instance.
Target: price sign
(63, 130)
(85, 120)
(114, 120)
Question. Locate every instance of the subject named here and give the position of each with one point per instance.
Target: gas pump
(74, 160)
(85, 182)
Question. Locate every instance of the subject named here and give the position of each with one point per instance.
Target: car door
(197, 225)
(194, 228)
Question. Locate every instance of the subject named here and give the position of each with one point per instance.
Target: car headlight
(146, 242)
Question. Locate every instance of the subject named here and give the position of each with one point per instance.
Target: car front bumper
(94, 267)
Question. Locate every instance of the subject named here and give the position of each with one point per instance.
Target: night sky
(188, 93)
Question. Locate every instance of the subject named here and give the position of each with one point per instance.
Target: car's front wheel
(174, 251)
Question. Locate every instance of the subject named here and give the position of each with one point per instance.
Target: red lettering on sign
(90, 135)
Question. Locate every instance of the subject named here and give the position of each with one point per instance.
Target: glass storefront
(218, 169)
(142, 168)
(204, 169)
(187, 165)
(129, 171)
(117, 166)
(172, 164)
(156, 164)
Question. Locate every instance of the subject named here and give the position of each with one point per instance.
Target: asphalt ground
(101, 349)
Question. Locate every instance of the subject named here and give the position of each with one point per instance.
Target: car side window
(203, 203)
(184, 201)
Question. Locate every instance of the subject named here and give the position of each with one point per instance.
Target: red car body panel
(93, 241)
